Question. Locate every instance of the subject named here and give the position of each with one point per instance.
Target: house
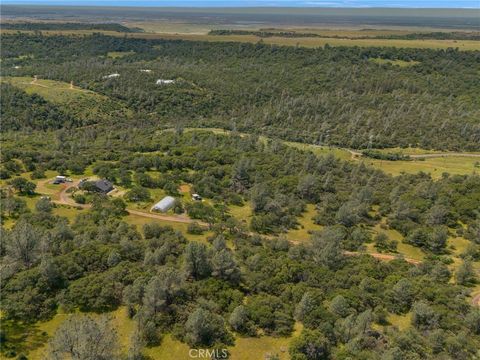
(103, 186)
(165, 204)
(196, 197)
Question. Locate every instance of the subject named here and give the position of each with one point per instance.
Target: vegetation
(271, 256)
(38, 26)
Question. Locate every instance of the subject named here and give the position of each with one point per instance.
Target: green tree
(137, 194)
(83, 337)
(196, 263)
(23, 186)
(224, 266)
(465, 273)
(23, 244)
(310, 345)
(204, 328)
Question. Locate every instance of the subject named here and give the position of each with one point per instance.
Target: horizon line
(3, 3)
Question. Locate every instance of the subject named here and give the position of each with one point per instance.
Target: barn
(165, 204)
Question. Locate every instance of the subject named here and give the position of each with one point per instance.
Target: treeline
(375, 154)
(438, 35)
(38, 26)
(266, 33)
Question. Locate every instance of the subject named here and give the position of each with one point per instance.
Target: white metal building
(165, 204)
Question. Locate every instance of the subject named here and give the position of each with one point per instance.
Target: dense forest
(329, 95)
(244, 278)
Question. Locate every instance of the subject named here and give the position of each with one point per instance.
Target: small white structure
(16, 67)
(164, 82)
(165, 204)
(146, 70)
(115, 75)
(59, 179)
(196, 197)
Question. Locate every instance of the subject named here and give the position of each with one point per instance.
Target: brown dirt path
(383, 257)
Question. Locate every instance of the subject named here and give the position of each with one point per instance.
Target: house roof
(104, 185)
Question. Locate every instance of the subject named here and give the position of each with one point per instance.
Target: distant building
(165, 204)
(164, 82)
(103, 186)
(196, 197)
(111, 76)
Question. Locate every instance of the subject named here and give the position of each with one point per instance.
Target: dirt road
(383, 257)
(425, 156)
(476, 300)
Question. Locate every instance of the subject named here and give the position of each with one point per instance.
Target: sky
(266, 3)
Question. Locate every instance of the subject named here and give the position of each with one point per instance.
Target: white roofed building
(165, 204)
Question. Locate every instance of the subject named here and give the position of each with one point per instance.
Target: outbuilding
(60, 179)
(165, 204)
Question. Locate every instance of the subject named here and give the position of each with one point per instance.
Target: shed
(165, 204)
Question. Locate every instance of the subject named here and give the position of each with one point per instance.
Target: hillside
(329, 96)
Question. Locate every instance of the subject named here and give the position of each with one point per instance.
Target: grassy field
(400, 63)
(274, 40)
(302, 234)
(54, 91)
(80, 102)
(434, 166)
(402, 322)
(407, 250)
(36, 338)
(119, 54)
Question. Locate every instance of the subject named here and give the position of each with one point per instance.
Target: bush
(194, 228)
